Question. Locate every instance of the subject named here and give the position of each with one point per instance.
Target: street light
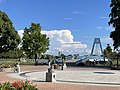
(117, 51)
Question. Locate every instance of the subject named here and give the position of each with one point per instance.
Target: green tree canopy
(108, 48)
(108, 51)
(115, 22)
(9, 38)
(34, 42)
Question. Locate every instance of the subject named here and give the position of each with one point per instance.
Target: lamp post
(117, 57)
(104, 55)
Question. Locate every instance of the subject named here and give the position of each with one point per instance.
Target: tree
(108, 48)
(9, 38)
(19, 53)
(115, 22)
(34, 42)
(108, 51)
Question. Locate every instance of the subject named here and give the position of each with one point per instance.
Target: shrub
(18, 85)
(26, 63)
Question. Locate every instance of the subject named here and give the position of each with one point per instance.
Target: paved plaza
(94, 77)
(70, 78)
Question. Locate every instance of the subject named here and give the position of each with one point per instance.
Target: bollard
(50, 75)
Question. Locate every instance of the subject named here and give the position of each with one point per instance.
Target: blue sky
(86, 19)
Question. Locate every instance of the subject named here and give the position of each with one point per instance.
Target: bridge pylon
(97, 42)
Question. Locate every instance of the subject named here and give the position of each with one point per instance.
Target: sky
(71, 25)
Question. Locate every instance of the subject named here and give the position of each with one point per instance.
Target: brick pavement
(56, 86)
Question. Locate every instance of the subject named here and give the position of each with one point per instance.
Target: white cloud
(77, 12)
(103, 17)
(109, 28)
(63, 41)
(105, 28)
(106, 40)
(68, 18)
(20, 32)
(99, 28)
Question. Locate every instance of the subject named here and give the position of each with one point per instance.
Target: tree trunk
(36, 59)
